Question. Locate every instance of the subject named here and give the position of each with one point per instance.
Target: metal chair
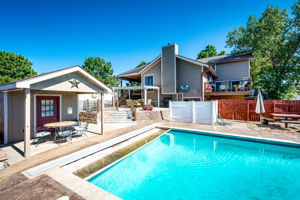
(40, 134)
(80, 129)
(64, 134)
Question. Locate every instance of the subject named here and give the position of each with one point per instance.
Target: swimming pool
(184, 165)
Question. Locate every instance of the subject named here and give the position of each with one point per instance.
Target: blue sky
(55, 34)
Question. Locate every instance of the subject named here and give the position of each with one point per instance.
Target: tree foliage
(274, 40)
(142, 63)
(209, 51)
(14, 67)
(101, 69)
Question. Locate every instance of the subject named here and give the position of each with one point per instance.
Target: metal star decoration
(74, 83)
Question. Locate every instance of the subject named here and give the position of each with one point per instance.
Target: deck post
(102, 114)
(118, 94)
(27, 122)
(129, 94)
(158, 97)
(113, 98)
(145, 96)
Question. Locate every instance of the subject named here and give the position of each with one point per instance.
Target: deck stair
(119, 116)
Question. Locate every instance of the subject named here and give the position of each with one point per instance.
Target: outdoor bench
(289, 122)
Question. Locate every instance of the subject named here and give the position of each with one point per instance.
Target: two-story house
(174, 77)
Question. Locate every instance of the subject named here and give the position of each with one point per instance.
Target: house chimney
(168, 66)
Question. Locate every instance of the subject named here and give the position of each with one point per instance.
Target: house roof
(226, 58)
(25, 83)
(139, 70)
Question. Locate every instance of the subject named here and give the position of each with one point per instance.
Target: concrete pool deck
(247, 129)
(275, 131)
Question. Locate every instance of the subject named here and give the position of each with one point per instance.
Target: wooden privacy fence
(245, 109)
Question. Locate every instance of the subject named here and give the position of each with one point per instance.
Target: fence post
(193, 112)
(248, 110)
(214, 112)
(170, 108)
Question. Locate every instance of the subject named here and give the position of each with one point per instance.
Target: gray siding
(69, 100)
(16, 114)
(16, 111)
(189, 74)
(169, 69)
(233, 71)
(156, 72)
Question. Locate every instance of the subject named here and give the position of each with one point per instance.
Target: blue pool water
(184, 166)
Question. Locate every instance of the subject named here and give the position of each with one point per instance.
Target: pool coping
(267, 140)
(80, 186)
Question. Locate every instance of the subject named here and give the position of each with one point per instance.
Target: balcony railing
(228, 86)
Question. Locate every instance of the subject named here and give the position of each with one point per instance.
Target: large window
(149, 80)
(47, 108)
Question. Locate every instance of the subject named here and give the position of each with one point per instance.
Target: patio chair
(64, 134)
(80, 129)
(137, 103)
(40, 134)
(149, 102)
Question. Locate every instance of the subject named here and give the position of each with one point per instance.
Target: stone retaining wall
(147, 115)
(89, 117)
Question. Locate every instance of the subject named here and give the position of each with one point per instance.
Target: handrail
(228, 86)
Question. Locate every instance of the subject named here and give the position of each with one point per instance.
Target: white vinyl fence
(194, 111)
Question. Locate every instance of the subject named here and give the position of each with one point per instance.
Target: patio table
(57, 125)
(60, 124)
(286, 117)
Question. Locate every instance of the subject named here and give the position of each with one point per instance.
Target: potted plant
(208, 89)
(234, 87)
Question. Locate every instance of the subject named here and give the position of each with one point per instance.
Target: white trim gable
(27, 82)
(150, 65)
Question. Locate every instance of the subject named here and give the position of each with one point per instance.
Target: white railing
(194, 111)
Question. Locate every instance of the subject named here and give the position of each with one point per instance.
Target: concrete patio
(15, 151)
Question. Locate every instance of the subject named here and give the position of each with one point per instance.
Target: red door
(47, 110)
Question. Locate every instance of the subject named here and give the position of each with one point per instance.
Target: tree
(274, 40)
(14, 67)
(209, 51)
(134, 83)
(101, 69)
(142, 63)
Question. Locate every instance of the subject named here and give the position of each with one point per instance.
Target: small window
(47, 108)
(214, 66)
(149, 80)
